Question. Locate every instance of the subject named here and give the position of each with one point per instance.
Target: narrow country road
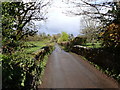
(66, 70)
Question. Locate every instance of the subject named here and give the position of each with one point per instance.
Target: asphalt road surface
(65, 70)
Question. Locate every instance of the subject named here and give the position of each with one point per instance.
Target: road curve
(66, 70)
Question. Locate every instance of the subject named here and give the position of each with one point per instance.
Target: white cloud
(58, 22)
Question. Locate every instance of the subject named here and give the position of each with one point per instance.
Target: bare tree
(105, 11)
(31, 11)
(90, 29)
(24, 15)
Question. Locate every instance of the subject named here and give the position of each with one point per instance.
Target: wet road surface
(65, 70)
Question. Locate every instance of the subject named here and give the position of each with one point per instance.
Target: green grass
(0, 59)
(43, 65)
(90, 45)
(33, 49)
(36, 45)
(0, 54)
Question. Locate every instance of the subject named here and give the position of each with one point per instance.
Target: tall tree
(108, 12)
(18, 18)
(17, 23)
(90, 29)
(64, 37)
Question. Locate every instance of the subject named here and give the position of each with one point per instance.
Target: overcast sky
(58, 21)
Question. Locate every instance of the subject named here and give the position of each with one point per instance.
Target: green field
(35, 45)
(91, 45)
(0, 59)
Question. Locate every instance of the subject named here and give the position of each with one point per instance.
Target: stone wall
(103, 57)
